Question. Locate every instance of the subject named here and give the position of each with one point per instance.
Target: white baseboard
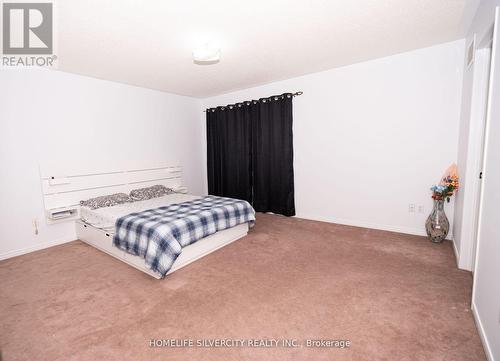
(37, 247)
(363, 224)
(482, 334)
(347, 222)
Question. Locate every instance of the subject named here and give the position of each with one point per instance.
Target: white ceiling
(149, 43)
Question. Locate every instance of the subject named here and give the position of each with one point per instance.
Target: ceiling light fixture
(206, 54)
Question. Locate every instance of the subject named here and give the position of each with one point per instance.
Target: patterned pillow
(141, 194)
(106, 201)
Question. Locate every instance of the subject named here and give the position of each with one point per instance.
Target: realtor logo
(28, 29)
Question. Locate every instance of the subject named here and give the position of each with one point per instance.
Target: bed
(97, 228)
(64, 188)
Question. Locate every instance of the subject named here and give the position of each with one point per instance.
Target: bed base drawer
(103, 241)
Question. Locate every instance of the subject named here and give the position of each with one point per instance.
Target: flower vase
(437, 224)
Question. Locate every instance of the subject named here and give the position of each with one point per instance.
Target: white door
(486, 292)
(482, 65)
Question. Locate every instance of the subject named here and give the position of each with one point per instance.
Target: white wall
(65, 119)
(371, 138)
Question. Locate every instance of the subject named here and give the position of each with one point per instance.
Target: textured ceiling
(149, 43)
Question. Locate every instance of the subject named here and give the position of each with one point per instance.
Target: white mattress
(105, 218)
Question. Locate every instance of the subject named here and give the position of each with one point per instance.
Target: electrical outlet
(420, 209)
(411, 208)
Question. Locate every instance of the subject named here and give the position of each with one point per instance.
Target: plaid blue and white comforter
(158, 235)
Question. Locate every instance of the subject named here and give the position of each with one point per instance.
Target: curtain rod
(296, 94)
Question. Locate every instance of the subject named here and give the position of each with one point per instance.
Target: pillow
(106, 201)
(141, 194)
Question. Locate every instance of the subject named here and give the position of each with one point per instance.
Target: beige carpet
(393, 296)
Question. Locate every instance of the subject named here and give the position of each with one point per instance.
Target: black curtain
(229, 153)
(250, 153)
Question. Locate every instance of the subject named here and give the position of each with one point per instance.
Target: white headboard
(64, 192)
